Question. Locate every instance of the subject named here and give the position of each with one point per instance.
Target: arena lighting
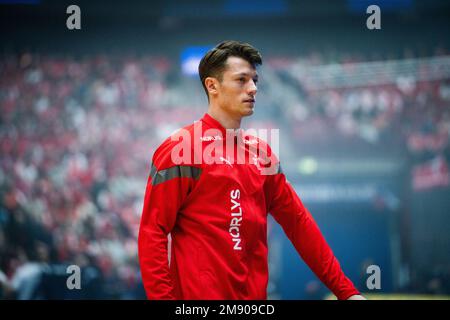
(307, 165)
(347, 166)
(190, 59)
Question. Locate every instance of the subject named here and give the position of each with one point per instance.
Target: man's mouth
(250, 100)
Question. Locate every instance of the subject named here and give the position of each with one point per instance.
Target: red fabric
(218, 225)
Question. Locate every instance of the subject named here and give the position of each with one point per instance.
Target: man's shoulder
(182, 138)
(266, 156)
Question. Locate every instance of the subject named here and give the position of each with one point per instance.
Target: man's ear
(211, 85)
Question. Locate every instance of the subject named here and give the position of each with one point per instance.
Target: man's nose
(253, 88)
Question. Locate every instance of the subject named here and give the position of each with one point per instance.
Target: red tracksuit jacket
(216, 214)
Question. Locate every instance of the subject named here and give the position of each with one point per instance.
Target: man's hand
(356, 297)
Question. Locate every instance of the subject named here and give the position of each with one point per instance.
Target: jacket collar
(210, 121)
(213, 123)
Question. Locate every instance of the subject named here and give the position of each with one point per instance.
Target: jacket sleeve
(167, 188)
(301, 229)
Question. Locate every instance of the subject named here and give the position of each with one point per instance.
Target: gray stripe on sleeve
(174, 172)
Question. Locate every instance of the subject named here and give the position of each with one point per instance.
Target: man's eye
(242, 79)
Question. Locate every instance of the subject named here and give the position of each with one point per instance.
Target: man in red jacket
(211, 187)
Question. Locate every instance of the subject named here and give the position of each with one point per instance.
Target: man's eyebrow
(246, 74)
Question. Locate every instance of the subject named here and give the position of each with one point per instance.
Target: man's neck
(227, 121)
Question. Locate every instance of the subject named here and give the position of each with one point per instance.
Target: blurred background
(364, 118)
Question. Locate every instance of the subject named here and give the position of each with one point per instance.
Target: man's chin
(247, 112)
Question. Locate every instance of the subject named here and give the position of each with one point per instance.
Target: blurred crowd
(406, 99)
(76, 140)
(398, 107)
(77, 136)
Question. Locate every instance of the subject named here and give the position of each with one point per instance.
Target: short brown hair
(214, 62)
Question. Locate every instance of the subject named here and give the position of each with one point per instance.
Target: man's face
(237, 91)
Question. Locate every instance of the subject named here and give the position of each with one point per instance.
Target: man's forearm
(153, 259)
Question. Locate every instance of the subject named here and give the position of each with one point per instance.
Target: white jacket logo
(236, 219)
(226, 161)
(210, 138)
